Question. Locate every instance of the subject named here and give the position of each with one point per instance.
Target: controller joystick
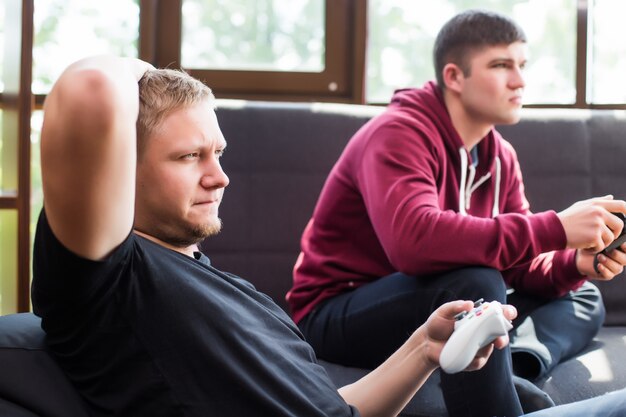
(473, 330)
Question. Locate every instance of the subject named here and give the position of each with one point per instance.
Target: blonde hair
(161, 92)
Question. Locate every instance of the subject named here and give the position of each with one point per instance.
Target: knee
(480, 282)
(588, 304)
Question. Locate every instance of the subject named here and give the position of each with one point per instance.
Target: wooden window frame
(340, 81)
(16, 105)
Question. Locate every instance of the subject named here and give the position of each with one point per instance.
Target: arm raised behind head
(88, 153)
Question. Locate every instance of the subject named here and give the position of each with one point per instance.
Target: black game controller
(615, 244)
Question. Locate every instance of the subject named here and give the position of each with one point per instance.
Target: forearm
(387, 389)
(88, 150)
(549, 275)
(431, 240)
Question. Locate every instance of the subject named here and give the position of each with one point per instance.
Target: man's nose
(517, 79)
(215, 177)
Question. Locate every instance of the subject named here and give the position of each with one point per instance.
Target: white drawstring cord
(467, 188)
(463, 153)
(496, 200)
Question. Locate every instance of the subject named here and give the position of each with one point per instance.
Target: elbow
(407, 261)
(95, 94)
(86, 97)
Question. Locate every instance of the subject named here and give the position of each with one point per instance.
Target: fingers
(139, 67)
(611, 264)
(585, 225)
(481, 358)
(440, 324)
(615, 224)
(509, 311)
(452, 308)
(610, 228)
(604, 197)
(501, 342)
(611, 205)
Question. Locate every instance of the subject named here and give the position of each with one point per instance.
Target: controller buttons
(479, 302)
(460, 315)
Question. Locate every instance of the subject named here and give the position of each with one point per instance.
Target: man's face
(180, 181)
(492, 92)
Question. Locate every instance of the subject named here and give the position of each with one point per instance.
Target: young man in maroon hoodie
(426, 204)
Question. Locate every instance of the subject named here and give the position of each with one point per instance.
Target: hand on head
(139, 67)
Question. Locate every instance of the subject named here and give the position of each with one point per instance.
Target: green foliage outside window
(253, 35)
(402, 34)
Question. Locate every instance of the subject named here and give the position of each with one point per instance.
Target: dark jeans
(608, 405)
(548, 332)
(363, 327)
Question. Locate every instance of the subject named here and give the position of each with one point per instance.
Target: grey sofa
(278, 157)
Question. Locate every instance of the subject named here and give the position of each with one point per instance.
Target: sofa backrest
(279, 155)
(31, 382)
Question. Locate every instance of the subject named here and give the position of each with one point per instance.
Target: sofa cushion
(31, 383)
(8, 408)
(596, 371)
(428, 401)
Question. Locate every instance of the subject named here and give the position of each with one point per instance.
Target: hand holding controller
(473, 330)
(614, 245)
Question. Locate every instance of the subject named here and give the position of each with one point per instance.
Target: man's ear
(453, 77)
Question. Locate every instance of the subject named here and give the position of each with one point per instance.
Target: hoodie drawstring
(496, 199)
(466, 190)
(462, 183)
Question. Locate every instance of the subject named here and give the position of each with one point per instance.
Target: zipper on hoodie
(467, 186)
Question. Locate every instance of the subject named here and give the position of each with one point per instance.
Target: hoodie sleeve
(402, 177)
(550, 274)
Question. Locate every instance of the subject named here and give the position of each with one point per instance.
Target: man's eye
(191, 155)
(219, 153)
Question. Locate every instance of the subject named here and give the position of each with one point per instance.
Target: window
(8, 261)
(67, 30)
(607, 52)
(402, 36)
(259, 36)
(14, 153)
(295, 58)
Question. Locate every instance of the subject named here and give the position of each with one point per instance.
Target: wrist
(425, 351)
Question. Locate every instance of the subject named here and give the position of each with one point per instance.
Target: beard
(183, 234)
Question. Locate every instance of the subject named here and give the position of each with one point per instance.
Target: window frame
(162, 27)
(159, 43)
(16, 105)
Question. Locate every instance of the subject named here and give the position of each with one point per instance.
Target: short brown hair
(162, 91)
(469, 32)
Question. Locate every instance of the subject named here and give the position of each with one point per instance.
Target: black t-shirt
(152, 332)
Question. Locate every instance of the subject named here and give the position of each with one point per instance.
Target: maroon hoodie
(392, 204)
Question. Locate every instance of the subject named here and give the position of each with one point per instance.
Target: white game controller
(473, 330)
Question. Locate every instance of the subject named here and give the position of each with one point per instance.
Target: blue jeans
(363, 327)
(548, 332)
(608, 405)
